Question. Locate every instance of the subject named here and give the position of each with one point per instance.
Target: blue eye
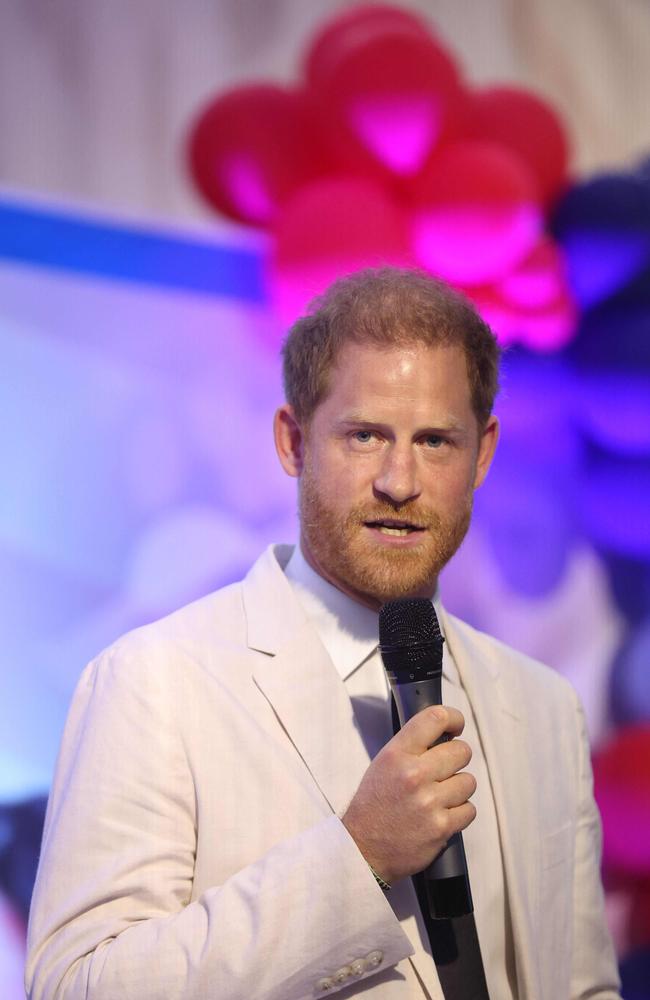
(363, 436)
(433, 441)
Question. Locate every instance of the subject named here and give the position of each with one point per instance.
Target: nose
(398, 479)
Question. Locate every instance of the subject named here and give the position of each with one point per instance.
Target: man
(230, 800)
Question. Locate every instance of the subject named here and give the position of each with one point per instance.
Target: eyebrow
(449, 424)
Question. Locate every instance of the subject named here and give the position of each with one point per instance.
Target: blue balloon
(614, 337)
(22, 826)
(635, 975)
(630, 678)
(629, 581)
(604, 229)
(615, 202)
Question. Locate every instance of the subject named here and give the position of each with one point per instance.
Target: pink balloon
(475, 215)
(539, 280)
(353, 29)
(527, 125)
(551, 328)
(331, 227)
(544, 329)
(386, 100)
(254, 146)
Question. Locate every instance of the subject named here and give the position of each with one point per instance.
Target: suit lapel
(310, 699)
(499, 726)
(301, 683)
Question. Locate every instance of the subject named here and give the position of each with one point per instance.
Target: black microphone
(410, 643)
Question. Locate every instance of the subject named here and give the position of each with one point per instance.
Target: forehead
(416, 374)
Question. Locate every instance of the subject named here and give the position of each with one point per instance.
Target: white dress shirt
(349, 632)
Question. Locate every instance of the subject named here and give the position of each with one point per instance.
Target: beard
(348, 558)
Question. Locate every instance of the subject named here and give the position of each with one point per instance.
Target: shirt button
(324, 984)
(342, 974)
(358, 967)
(374, 958)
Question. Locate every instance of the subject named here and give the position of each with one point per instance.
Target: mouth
(393, 527)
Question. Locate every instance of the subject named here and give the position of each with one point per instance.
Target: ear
(289, 440)
(489, 435)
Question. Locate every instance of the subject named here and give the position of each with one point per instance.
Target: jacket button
(324, 984)
(342, 974)
(358, 967)
(374, 958)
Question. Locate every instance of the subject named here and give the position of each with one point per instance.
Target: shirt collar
(348, 630)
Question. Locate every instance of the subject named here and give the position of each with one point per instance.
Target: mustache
(414, 514)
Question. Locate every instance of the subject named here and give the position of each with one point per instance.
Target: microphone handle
(446, 879)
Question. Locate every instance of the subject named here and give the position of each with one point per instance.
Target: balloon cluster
(603, 226)
(384, 154)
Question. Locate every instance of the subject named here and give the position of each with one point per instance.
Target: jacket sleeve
(594, 973)
(113, 913)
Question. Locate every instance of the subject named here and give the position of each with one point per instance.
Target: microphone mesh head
(407, 622)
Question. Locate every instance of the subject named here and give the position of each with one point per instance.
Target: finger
(455, 791)
(459, 818)
(453, 821)
(427, 726)
(445, 759)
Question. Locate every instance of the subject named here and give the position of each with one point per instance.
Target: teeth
(393, 531)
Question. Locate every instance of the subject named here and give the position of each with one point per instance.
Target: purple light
(615, 507)
(614, 411)
(524, 513)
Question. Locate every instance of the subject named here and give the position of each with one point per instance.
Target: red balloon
(475, 216)
(622, 786)
(527, 125)
(331, 227)
(254, 146)
(386, 100)
(351, 29)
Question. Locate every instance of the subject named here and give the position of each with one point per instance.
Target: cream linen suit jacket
(193, 846)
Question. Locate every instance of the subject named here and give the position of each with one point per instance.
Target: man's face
(388, 468)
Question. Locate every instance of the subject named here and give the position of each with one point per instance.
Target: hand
(411, 799)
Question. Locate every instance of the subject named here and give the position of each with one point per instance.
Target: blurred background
(176, 182)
